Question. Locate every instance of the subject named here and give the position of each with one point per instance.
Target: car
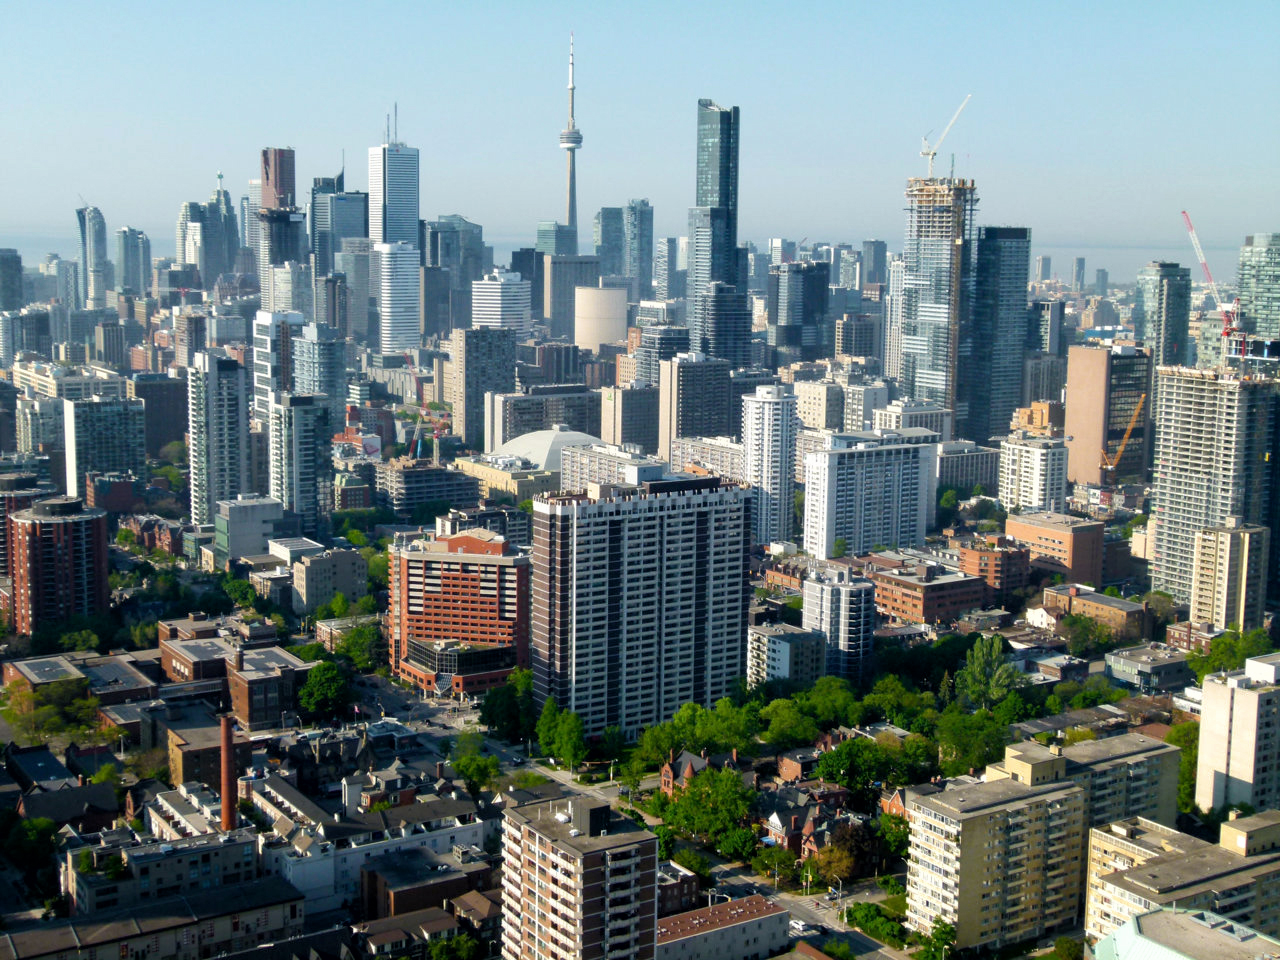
(832, 895)
(517, 761)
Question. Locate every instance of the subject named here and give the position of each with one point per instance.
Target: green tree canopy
(987, 677)
(325, 692)
(1229, 651)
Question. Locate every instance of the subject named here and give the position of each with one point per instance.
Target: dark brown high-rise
(18, 491)
(58, 563)
(278, 187)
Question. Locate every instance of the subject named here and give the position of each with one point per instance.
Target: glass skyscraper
(717, 193)
(993, 344)
(1259, 282)
(1162, 312)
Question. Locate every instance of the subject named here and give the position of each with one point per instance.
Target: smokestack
(229, 799)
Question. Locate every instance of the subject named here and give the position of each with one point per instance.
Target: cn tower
(570, 141)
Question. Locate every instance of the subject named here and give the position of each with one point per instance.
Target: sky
(1093, 123)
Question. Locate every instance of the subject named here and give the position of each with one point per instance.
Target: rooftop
(553, 819)
(979, 799)
(1150, 653)
(716, 917)
(1055, 520)
(1181, 935)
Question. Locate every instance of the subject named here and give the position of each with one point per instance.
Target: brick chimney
(229, 799)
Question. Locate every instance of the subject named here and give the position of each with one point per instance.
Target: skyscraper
(637, 255)
(279, 186)
(720, 324)
(1044, 268)
(351, 259)
(334, 218)
(133, 262)
(250, 205)
(218, 430)
(570, 142)
(842, 608)
(799, 328)
(10, 280)
(1259, 283)
(273, 335)
(484, 361)
(103, 435)
(991, 386)
(1101, 282)
(937, 288)
(609, 240)
(693, 399)
(668, 278)
(1229, 578)
(716, 190)
(396, 267)
(301, 470)
(1162, 305)
(282, 237)
(670, 626)
(874, 262)
(502, 300)
(1105, 386)
(58, 561)
(1213, 461)
(292, 290)
(1077, 276)
(319, 366)
(94, 266)
(393, 194)
(769, 428)
(221, 235)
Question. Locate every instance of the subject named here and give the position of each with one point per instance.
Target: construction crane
(1228, 312)
(929, 152)
(1107, 462)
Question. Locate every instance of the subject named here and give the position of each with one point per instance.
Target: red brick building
(1000, 563)
(927, 593)
(459, 607)
(58, 562)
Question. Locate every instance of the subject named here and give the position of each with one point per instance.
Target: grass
(895, 906)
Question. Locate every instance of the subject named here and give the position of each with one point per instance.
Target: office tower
(1077, 276)
(165, 417)
(67, 284)
(1033, 473)
(393, 193)
(336, 217)
(555, 239)
(1044, 320)
(842, 608)
(1044, 268)
(629, 415)
(221, 236)
(860, 335)
(94, 267)
(610, 241)
(529, 264)
(937, 288)
(352, 261)
(850, 271)
(798, 297)
(218, 432)
(1162, 312)
(273, 335)
(1258, 280)
(10, 280)
(670, 628)
(991, 385)
(103, 435)
(502, 300)
(189, 234)
(875, 255)
(470, 590)
(1229, 576)
(108, 345)
(484, 361)
(133, 262)
(637, 248)
(781, 250)
(561, 278)
(869, 489)
(769, 426)
(599, 318)
(656, 345)
(1101, 282)
(717, 194)
(301, 439)
(1239, 752)
(893, 304)
(292, 290)
(250, 206)
(396, 267)
(282, 238)
(668, 280)
(720, 324)
(319, 366)
(279, 189)
(18, 491)
(1105, 386)
(577, 851)
(1213, 448)
(570, 142)
(693, 400)
(331, 303)
(58, 561)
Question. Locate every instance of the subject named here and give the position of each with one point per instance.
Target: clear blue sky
(1094, 123)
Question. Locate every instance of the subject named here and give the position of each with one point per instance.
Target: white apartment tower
(502, 300)
(640, 604)
(396, 265)
(1239, 756)
(869, 489)
(301, 469)
(393, 194)
(769, 427)
(273, 335)
(218, 432)
(1033, 473)
(842, 608)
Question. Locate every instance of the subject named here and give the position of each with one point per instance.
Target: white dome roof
(543, 447)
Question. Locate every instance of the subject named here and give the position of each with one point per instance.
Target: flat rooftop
(540, 816)
(716, 917)
(48, 670)
(979, 799)
(1055, 520)
(1200, 935)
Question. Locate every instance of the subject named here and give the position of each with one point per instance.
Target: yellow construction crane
(1107, 462)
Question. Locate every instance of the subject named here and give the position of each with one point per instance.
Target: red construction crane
(1228, 312)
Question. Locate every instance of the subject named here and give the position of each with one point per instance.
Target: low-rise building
(1184, 935)
(405, 485)
(1151, 668)
(319, 577)
(750, 928)
(1124, 618)
(508, 476)
(1060, 544)
(779, 651)
(927, 592)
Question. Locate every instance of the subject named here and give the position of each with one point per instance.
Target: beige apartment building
(1239, 756)
(1229, 575)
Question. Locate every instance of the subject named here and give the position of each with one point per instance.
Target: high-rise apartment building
(609, 240)
(629, 415)
(301, 469)
(640, 604)
(393, 194)
(658, 343)
(668, 278)
(95, 269)
(1162, 312)
(769, 427)
(166, 407)
(10, 280)
(572, 406)
(714, 237)
(1258, 280)
(1101, 282)
(502, 300)
(869, 489)
(1033, 472)
(875, 258)
(799, 327)
(637, 244)
(133, 263)
(279, 181)
(1108, 398)
(842, 608)
(218, 433)
(1229, 576)
(720, 324)
(1239, 757)
(471, 590)
(991, 387)
(484, 361)
(1213, 461)
(273, 335)
(693, 399)
(937, 289)
(904, 414)
(602, 463)
(577, 851)
(58, 562)
(319, 366)
(396, 265)
(292, 290)
(103, 436)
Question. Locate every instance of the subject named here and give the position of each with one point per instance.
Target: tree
(1085, 635)
(79, 640)
(632, 773)
(548, 727)
(126, 538)
(241, 594)
(478, 771)
(571, 743)
(1229, 651)
(612, 743)
(710, 804)
(836, 863)
(175, 452)
(526, 506)
(1186, 736)
(1064, 948)
(340, 605)
(938, 944)
(361, 646)
(738, 843)
(378, 567)
(325, 692)
(666, 841)
(105, 774)
(968, 741)
(461, 946)
(31, 843)
(777, 861)
(839, 548)
(366, 605)
(987, 677)
(788, 727)
(895, 833)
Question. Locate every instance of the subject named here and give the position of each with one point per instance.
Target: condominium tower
(769, 427)
(218, 432)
